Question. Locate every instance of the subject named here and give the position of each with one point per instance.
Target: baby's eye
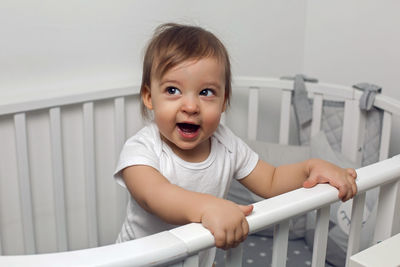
(207, 92)
(173, 90)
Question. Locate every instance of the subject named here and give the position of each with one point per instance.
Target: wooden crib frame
(179, 247)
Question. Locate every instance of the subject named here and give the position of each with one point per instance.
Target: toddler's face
(188, 102)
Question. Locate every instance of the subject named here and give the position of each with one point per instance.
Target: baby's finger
(230, 239)
(354, 188)
(245, 230)
(310, 182)
(238, 235)
(220, 239)
(352, 172)
(342, 192)
(349, 195)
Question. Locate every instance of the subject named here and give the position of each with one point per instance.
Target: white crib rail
(181, 245)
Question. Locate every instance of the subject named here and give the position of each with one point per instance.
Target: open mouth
(188, 127)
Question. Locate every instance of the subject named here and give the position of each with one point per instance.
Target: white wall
(348, 42)
(48, 46)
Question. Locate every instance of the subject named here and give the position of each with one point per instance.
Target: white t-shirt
(229, 158)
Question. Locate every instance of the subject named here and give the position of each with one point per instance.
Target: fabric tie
(368, 97)
(301, 105)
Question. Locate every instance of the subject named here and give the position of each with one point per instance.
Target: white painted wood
(328, 90)
(384, 254)
(178, 243)
(285, 117)
(195, 237)
(119, 124)
(386, 103)
(388, 217)
(90, 174)
(302, 200)
(275, 209)
(252, 118)
(24, 183)
(353, 131)
(357, 210)
(62, 100)
(263, 82)
(385, 135)
(321, 237)
(280, 244)
(234, 257)
(192, 261)
(331, 91)
(316, 114)
(155, 250)
(120, 136)
(58, 178)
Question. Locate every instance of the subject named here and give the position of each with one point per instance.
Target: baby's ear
(146, 97)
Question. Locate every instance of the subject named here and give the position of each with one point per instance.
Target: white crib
(58, 199)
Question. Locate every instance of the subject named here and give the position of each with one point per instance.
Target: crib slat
(285, 117)
(58, 176)
(385, 136)
(119, 118)
(192, 261)
(357, 210)
(280, 244)
(1, 249)
(88, 119)
(234, 256)
(252, 113)
(317, 114)
(120, 130)
(388, 216)
(321, 237)
(24, 183)
(353, 129)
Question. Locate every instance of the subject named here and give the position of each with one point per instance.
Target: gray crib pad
(332, 118)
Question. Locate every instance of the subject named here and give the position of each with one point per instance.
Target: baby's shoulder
(147, 137)
(226, 137)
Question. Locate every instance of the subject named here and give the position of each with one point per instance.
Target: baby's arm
(268, 181)
(175, 205)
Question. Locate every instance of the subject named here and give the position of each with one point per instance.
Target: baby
(179, 167)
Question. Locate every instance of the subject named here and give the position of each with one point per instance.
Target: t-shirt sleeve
(246, 159)
(243, 157)
(138, 150)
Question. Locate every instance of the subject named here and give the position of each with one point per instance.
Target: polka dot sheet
(257, 251)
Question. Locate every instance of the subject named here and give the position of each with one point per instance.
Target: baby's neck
(197, 154)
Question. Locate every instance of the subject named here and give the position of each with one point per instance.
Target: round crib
(58, 199)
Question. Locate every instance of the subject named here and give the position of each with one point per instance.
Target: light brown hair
(173, 44)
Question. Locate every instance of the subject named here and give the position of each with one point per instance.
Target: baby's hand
(227, 222)
(324, 172)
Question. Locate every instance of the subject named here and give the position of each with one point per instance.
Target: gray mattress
(257, 251)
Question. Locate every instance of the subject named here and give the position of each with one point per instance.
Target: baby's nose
(190, 104)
